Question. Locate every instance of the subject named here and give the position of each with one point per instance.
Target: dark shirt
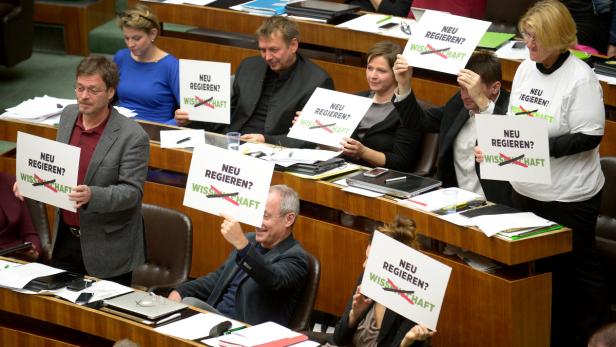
(15, 222)
(271, 85)
(226, 305)
(87, 141)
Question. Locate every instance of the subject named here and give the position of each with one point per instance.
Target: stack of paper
(47, 109)
(287, 156)
(436, 200)
(39, 109)
(478, 262)
(17, 277)
(496, 223)
(267, 334)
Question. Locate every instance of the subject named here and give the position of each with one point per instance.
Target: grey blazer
(111, 223)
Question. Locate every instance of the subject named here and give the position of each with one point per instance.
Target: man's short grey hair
(289, 200)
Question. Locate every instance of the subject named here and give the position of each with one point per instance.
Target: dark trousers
(67, 255)
(579, 291)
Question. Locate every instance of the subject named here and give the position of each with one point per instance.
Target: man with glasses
(104, 238)
(263, 277)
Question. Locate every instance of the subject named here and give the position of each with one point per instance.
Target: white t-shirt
(570, 99)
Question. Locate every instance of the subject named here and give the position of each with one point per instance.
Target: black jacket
(448, 120)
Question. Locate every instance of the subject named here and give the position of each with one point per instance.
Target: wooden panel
(481, 309)
(90, 321)
(12, 337)
(608, 143)
(76, 18)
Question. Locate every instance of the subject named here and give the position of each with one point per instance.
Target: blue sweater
(150, 89)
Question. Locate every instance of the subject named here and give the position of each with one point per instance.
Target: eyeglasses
(91, 91)
(529, 37)
(406, 28)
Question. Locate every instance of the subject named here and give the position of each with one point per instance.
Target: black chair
(606, 229)
(168, 236)
(300, 320)
(426, 163)
(40, 220)
(16, 31)
(505, 16)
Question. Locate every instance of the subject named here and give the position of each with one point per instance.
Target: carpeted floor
(44, 73)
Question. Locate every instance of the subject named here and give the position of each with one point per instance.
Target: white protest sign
(181, 138)
(515, 148)
(328, 116)
(205, 91)
(46, 170)
(227, 181)
(405, 280)
(443, 42)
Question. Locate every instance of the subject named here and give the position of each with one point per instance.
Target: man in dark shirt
(268, 90)
(263, 277)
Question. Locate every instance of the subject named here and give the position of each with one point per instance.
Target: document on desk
(196, 326)
(101, 289)
(19, 276)
(264, 334)
(508, 51)
(493, 224)
(437, 199)
(289, 156)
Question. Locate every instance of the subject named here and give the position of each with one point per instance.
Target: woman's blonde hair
(401, 229)
(140, 18)
(552, 24)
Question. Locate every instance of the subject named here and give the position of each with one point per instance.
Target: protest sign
(46, 170)
(443, 42)
(515, 148)
(405, 280)
(205, 91)
(328, 116)
(227, 181)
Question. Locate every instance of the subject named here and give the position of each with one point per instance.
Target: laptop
(399, 184)
(144, 304)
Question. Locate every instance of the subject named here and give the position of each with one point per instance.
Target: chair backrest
(426, 163)
(168, 238)
(40, 220)
(16, 31)
(300, 320)
(505, 18)
(606, 227)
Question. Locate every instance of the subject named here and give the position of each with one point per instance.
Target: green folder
(494, 40)
(6, 146)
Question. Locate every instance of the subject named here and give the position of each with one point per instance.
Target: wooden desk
(509, 308)
(318, 34)
(35, 320)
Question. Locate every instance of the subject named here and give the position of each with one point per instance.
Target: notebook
(410, 186)
(320, 9)
(145, 305)
(52, 282)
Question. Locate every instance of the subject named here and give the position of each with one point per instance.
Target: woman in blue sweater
(149, 76)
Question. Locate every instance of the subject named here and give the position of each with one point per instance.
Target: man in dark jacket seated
(263, 277)
(480, 92)
(268, 90)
